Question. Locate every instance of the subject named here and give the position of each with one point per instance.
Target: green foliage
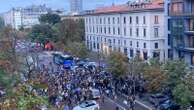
(30, 101)
(77, 49)
(136, 65)
(175, 72)
(42, 33)
(183, 95)
(50, 18)
(70, 31)
(118, 63)
(2, 24)
(154, 76)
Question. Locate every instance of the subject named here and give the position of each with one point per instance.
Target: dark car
(168, 105)
(157, 99)
(65, 60)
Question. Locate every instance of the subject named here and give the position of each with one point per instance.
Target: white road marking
(143, 105)
(115, 103)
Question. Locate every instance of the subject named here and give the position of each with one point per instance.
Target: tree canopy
(41, 33)
(118, 63)
(50, 18)
(70, 31)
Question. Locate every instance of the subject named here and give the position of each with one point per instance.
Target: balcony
(190, 32)
(185, 49)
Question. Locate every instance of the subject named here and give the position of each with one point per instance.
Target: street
(109, 103)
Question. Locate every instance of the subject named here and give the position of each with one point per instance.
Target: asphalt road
(110, 104)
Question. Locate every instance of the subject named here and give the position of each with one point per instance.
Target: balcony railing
(190, 32)
(181, 14)
(185, 48)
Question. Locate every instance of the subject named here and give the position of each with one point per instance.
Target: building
(76, 6)
(24, 17)
(135, 28)
(181, 28)
(72, 17)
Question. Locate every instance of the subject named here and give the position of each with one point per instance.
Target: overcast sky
(5, 5)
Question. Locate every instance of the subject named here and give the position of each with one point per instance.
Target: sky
(5, 5)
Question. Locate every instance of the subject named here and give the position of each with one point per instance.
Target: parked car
(65, 60)
(95, 93)
(87, 105)
(157, 99)
(168, 105)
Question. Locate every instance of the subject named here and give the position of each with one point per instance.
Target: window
(125, 33)
(119, 31)
(104, 20)
(109, 31)
(96, 29)
(89, 21)
(124, 20)
(93, 29)
(144, 45)
(137, 44)
(96, 20)
(145, 55)
(168, 24)
(119, 42)
(86, 20)
(131, 53)
(144, 20)
(100, 20)
(169, 40)
(114, 30)
(130, 31)
(104, 30)
(113, 41)
(144, 32)
(101, 30)
(156, 19)
(108, 20)
(137, 32)
(155, 32)
(94, 45)
(130, 20)
(156, 45)
(137, 20)
(118, 20)
(131, 43)
(105, 40)
(125, 42)
(113, 20)
(125, 51)
(98, 46)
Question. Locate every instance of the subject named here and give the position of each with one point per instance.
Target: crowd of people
(67, 87)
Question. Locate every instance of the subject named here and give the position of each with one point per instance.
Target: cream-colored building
(133, 28)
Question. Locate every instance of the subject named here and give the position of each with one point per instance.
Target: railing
(181, 13)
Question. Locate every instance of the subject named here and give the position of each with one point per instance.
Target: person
(117, 108)
(66, 107)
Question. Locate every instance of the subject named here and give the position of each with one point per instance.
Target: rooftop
(138, 5)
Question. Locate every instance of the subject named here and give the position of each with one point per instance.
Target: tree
(175, 71)
(183, 95)
(118, 63)
(2, 24)
(50, 18)
(154, 76)
(8, 60)
(70, 31)
(77, 49)
(42, 33)
(136, 65)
